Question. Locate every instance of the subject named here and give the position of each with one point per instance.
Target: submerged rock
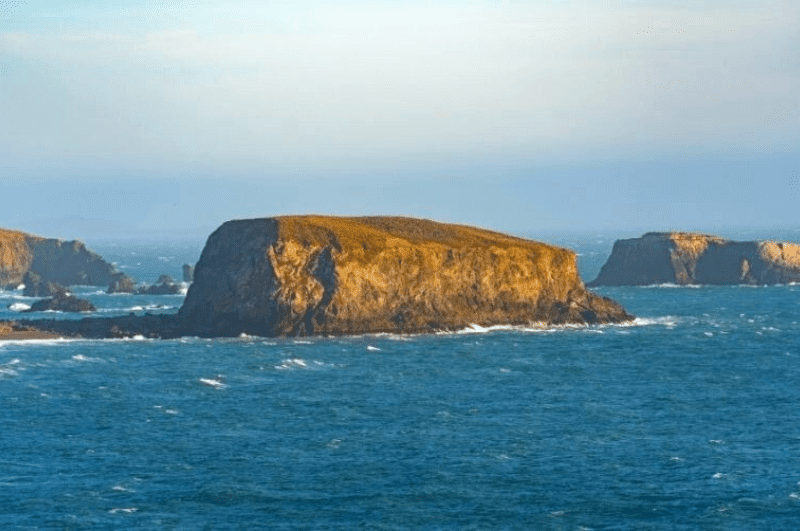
(62, 303)
(690, 258)
(329, 275)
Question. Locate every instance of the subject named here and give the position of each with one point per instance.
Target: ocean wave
(213, 382)
(137, 308)
(670, 285)
(666, 320)
(19, 307)
(81, 357)
(294, 363)
(39, 342)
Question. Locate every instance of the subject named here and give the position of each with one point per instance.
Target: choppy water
(686, 420)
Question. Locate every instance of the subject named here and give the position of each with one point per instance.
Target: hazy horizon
(143, 117)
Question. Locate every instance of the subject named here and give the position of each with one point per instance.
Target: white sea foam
(370, 347)
(7, 372)
(127, 510)
(667, 320)
(19, 307)
(294, 363)
(212, 383)
(38, 342)
(81, 357)
(670, 285)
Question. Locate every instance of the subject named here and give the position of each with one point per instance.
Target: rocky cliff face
(689, 258)
(66, 263)
(327, 275)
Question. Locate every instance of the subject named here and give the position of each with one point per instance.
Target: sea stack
(307, 275)
(691, 258)
(67, 263)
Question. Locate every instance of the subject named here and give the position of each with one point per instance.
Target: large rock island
(55, 261)
(309, 275)
(690, 258)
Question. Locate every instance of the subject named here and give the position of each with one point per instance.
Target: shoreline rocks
(62, 302)
(691, 258)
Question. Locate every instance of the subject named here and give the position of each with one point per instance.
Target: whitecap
(708, 334)
(295, 363)
(667, 320)
(370, 347)
(19, 307)
(671, 285)
(37, 342)
(212, 383)
(81, 357)
(718, 475)
(127, 510)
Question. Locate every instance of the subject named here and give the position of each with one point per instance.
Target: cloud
(255, 87)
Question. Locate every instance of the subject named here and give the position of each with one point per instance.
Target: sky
(135, 117)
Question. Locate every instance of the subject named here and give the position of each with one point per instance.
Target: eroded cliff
(690, 258)
(64, 262)
(307, 275)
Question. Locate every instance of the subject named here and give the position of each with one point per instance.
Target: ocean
(685, 419)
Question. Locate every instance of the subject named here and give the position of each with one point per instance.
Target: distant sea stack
(690, 258)
(54, 261)
(306, 275)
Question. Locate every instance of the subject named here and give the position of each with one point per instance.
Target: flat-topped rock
(302, 275)
(692, 258)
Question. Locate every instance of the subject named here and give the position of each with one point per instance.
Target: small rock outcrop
(306, 275)
(35, 287)
(122, 283)
(690, 258)
(188, 273)
(165, 285)
(67, 263)
(62, 303)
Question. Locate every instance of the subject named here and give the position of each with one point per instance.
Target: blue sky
(519, 116)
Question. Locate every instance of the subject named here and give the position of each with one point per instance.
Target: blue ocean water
(686, 419)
